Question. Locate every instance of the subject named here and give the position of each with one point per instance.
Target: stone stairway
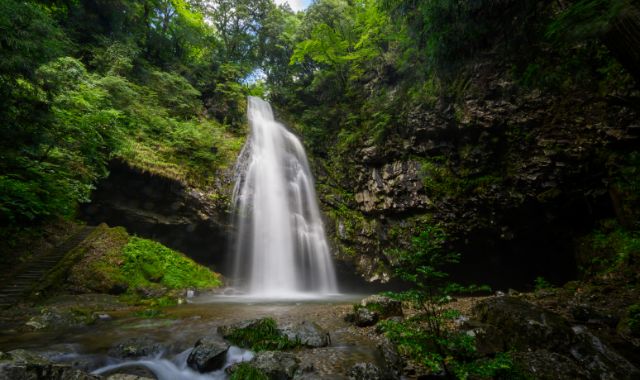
(19, 284)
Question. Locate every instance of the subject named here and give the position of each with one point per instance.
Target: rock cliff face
(513, 174)
(188, 220)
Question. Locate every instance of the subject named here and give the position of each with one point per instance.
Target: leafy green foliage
(541, 283)
(452, 351)
(85, 82)
(262, 336)
(633, 315)
(586, 19)
(609, 249)
(428, 337)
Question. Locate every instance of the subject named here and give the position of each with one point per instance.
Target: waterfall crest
(280, 248)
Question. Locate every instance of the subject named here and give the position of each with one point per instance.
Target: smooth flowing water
(281, 250)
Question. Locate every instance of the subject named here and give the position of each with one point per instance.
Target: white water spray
(281, 247)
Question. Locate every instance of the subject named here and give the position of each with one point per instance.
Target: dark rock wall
(514, 175)
(162, 209)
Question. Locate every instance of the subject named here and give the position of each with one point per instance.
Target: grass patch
(141, 271)
(263, 335)
(189, 151)
(244, 371)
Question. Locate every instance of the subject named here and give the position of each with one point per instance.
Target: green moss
(261, 336)
(244, 371)
(147, 262)
(142, 271)
(610, 248)
(633, 315)
(55, 278)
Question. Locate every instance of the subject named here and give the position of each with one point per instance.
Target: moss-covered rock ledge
(111, 261)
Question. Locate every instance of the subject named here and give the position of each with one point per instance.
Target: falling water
(281, 248)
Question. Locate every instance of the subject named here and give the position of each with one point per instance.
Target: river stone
(25, 365)
(364, 317)
(135, 347)
(384, 306)
(208, 354)
(309, 334)
(276, 365)
(365, 371)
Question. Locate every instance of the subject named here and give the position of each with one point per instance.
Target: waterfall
(280, 248)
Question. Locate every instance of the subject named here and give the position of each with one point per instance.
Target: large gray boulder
(208, 354)
(309, 334)
(542, 338)
(276, 365)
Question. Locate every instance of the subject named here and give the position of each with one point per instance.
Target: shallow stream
(179, 327)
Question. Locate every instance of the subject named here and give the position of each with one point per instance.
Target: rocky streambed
(562, 333)
(176, 342)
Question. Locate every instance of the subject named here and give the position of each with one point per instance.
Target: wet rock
(384, 306)
(545, 365)
(309, 334)
(365, 371)
(135, 347)
(25, 365)
(364, 317)
(392, 359)
(208, 354)
(276, 365)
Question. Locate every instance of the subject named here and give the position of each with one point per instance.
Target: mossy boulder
(308, 333)
(258, 335)
(114, 262)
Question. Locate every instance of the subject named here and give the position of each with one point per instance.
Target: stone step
(25, 280)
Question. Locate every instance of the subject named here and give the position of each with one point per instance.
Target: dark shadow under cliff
(161, 209)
